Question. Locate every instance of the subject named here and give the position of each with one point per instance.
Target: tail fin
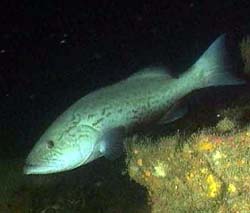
(212, 68)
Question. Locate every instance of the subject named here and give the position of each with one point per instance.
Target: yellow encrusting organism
(231, 188)
(205, 145)
(213, 186)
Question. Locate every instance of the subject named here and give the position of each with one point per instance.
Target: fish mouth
(40, 169)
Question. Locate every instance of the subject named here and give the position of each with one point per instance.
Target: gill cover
(88, 143)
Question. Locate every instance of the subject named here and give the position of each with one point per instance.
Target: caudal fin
(213, 67)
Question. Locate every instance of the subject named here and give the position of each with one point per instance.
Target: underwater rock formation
(245, 54)
(205, 171)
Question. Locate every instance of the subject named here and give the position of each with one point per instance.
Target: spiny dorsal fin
(151, 72)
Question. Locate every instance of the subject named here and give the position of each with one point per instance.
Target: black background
(54, 52)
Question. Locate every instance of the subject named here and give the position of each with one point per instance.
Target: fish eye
(50, 144)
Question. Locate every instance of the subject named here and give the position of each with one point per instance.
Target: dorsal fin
(151, 72)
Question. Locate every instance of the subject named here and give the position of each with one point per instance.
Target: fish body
(95, 125)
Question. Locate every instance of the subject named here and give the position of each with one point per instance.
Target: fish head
(62, 148)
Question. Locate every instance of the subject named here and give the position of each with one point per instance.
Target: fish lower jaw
(38, 169)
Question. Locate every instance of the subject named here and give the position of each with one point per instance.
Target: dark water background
(54, 53)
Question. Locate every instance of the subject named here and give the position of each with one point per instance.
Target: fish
(96, 124)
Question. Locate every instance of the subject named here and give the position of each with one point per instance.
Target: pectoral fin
(112, 143)
(175, 113)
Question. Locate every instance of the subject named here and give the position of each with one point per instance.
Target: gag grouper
(95, 125)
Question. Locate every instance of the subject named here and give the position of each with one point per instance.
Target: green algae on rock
(245, 54)
(225, 125)
(210, 173)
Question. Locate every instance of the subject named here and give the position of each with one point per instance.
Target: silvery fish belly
(96, 124)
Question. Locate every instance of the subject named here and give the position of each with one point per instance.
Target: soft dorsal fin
(151, 72)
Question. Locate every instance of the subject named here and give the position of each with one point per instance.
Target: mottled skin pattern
(126, 103)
